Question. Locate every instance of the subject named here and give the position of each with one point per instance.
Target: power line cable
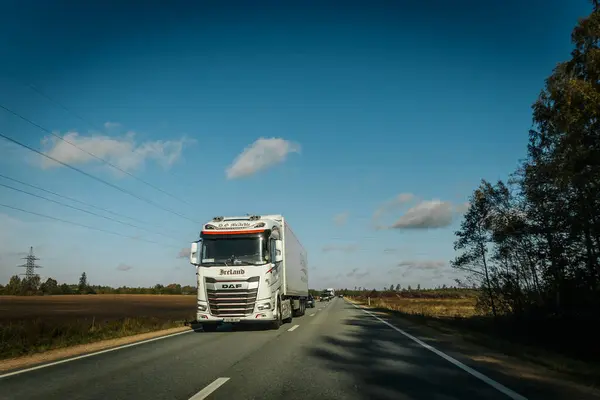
(97, 179)
(87, 152)
(71, 199)
(85, 226)
(85, 211)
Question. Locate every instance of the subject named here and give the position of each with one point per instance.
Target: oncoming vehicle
(249, 269)
(325, 296)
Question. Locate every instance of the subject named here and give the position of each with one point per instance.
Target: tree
(14, 286)
(533, 244)
(397, 287)
(83, 284)
(50, 287)
(473, 239)
(65, 289)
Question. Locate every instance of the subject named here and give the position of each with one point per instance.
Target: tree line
(441, 292)
(35, 287)
(531, 242)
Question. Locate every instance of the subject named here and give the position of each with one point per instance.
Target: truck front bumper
(254, 318)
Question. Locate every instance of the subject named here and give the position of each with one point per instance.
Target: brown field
(105, 306)
(437, 308)
(32, 324)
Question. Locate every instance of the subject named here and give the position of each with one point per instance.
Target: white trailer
(250, 269)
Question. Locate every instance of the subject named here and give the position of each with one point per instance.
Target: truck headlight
(202, 307)
(264, 306)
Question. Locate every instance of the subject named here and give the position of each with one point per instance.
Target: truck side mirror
(195, 253)
(278, 251)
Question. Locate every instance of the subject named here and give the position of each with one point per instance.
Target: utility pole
(30, 265)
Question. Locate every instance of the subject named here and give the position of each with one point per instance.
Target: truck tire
(277, 323)
(302, 310)
(209, 327)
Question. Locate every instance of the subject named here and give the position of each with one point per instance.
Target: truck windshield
(234, 251)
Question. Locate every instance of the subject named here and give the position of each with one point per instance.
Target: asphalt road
(335, 351)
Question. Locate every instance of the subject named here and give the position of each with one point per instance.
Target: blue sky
(346, 119)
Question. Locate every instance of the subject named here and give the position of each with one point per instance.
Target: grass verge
(26, 337)
(457, 318)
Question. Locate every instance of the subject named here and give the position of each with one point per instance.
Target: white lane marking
(22, 371)
(311, 315)
(293, 328)
(207, 391)
(496, 385)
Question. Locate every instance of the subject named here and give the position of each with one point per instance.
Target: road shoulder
(17, 363)
(526, 377)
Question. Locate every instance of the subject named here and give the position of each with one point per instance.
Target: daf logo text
(231, 286)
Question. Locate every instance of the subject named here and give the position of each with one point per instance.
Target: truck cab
(248, 271)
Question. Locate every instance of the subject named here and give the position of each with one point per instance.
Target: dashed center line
(207, 391)
(311, 315)
(293, 328)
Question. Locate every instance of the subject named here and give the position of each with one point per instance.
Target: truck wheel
(302, 307)
(277, 323)
(209, 327)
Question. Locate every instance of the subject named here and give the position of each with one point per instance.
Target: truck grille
(239, 302)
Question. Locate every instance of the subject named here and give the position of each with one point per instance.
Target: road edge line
(50, 364)
(496, 385)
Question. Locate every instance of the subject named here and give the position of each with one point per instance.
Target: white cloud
(425, 215)
(260, 155)
(184, 252)
(111, 125)
(340, 219)
(356, 274)
(400, 200)
(123, 151)
(463, 208)
(428, 266)
(423, 264)
(124, 267)
(337, 247)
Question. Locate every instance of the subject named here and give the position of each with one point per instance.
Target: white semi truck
(250, 269)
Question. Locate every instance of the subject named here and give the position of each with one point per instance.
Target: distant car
(325, 298)
(310, 302)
